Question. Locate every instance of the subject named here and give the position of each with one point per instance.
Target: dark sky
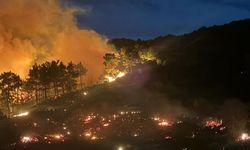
(150, 18)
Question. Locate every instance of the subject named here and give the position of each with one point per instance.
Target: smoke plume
(39, 30)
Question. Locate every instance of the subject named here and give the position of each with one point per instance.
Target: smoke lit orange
(36, 31)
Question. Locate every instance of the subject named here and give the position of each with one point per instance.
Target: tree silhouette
(71, 75)
(33, 82)
(56, 72)
(54, 77)
(81, 72)
(9, 85)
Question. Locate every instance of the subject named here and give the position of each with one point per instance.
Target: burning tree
(121, 62)
(112, 64)
(116, 64)
(148, 55)
(10, 84)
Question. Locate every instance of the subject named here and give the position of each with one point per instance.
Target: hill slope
(210, 62)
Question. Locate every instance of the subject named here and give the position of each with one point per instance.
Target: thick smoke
(39, 30)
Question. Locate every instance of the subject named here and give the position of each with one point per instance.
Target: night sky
(151, 18)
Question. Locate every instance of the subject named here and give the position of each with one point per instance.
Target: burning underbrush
(161, 125)
(130, 126)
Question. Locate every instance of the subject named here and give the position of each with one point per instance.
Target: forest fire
(68, 80)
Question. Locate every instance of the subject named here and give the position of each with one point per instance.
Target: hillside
(212, 62)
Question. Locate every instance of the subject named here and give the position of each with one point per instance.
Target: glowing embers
(93, 125)
(91, 136)
(120, 148)
(115, 77)
(213, 123)
(129, 112)
(244, 137)
(58, 136)
(21, 114)
(54, 138)
(88, 134)
(162, 122)
(168, 137)
(85, 93)
(89, 118)
(28, 139)
(105, 124)
(97, 120)
(97, 126)
(135, 134)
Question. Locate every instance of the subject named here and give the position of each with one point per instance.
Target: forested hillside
(210, 62)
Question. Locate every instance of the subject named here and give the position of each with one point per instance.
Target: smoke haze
(36, 31)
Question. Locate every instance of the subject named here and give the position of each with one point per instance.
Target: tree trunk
(8, 104)
(81, 82)
(45, 93)
(55, 89)
(36, 93)
(63, 89)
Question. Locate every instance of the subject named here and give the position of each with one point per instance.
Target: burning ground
(166, 93)
(109, 117)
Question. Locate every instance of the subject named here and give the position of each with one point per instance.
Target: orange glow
(106, 124)
(28, 139)
(244, 136)
(88, 134)
(21, 114)
(40, 30)
(113, 78)
(162, 122)
(212, 123)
